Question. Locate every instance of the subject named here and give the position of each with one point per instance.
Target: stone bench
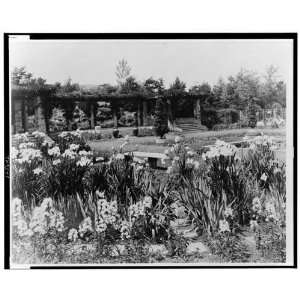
(152, 157)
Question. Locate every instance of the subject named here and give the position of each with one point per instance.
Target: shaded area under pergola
(41, 101)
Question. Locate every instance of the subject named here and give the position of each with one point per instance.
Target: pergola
(42, 101)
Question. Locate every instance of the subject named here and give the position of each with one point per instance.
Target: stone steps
(189, 124)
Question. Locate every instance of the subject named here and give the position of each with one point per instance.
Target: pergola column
(92, 115)
(39, 116)
(170, 111)
(145, 113)
(197, 109)
(139, 121)
(115, 118)
(24, 116)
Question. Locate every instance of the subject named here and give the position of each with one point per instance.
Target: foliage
(80, 120)
(226, 174)
(154, 86)
(57, 120)
(229, 247)
(260, 163)
(124, 180)
(116, 133)
(184, 163)
(269, 224)
(95, 178)
(28, 175)
(68, 86)
(130, 85)
(67, 138)
(271, 241)
(273, 90)
(103, 111)
(252, 114)
(209, 117)
(204, 210)
(176, 244)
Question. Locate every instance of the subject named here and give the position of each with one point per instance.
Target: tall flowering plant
(41, 229)
(66, 138)
(183, 160)
(261, 163)
(226, 174)
(27, 171)
(124, 176)
(269, 224)
(66, 170)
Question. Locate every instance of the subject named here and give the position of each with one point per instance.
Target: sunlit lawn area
(195, 139)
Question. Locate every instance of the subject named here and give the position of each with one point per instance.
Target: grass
(196, 139)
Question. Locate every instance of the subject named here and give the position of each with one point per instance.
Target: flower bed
(63, 203)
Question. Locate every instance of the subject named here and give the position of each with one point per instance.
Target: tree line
(234, 93)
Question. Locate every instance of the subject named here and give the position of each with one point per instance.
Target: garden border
(60, 36)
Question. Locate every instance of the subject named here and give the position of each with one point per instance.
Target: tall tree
(177, 86)
(20, 76)
(273, 90)
(179, 105)
(219, 93)
(241, 88)
(122, 71)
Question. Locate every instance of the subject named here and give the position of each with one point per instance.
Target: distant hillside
(90, 87)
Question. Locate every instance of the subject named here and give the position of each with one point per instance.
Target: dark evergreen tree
(161, 118)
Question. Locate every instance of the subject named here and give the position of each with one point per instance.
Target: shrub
(115, 133)
(228, 115)
(127, 119)
(209, 118)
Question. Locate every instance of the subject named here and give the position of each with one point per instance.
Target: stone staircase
(190, 125)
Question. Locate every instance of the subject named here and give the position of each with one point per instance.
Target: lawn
(195, 139)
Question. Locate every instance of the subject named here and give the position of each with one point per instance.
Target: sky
(193, 61)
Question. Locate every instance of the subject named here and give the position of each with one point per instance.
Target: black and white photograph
(150, 150)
